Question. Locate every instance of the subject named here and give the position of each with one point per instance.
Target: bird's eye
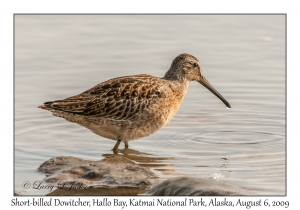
(195, 65)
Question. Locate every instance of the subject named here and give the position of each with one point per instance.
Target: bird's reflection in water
(143, 159)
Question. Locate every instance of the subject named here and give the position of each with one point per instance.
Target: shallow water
(243, 57)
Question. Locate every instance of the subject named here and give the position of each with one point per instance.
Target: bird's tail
(46, 105)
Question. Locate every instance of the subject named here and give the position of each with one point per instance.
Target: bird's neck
(177, 86)
(174, 74)
(175, 79)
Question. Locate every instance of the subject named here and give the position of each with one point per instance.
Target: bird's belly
(142, 125)
(128, 130)
(113, 129)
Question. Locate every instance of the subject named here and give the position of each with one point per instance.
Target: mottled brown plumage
(132, 107)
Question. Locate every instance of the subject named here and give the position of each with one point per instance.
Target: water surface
(243, 57)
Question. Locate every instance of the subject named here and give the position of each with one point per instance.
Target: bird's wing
(119, 98)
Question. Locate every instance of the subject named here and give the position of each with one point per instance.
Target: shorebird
(131, 107)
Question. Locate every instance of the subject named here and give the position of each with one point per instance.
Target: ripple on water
(242, 137)
(242, 154)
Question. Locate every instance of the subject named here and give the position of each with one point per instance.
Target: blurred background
(243, 57)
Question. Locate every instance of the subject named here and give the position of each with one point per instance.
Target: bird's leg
(115, 149)
(126, 144)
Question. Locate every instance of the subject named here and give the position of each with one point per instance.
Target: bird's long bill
(206, 84)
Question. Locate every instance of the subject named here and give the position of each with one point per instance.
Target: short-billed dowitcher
(132, 107)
